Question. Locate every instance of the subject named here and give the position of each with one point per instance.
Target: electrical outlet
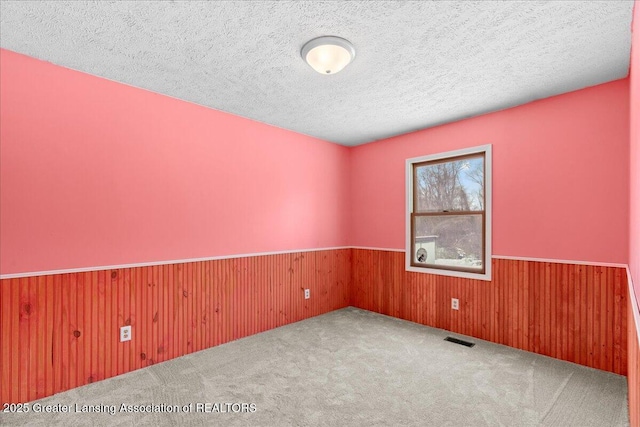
(307, 293)
(125, 333)
(455, 304)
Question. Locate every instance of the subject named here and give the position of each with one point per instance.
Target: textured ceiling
(418, 64)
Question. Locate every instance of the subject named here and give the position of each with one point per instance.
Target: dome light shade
(328, 54)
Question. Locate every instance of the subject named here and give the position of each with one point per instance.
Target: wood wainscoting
(571, 312)
(62, 331)
(633, 377)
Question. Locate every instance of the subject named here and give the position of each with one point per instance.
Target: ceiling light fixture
(328, 54)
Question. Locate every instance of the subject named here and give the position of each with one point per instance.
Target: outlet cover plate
(125, 333)
(307, 293)
(455, 304)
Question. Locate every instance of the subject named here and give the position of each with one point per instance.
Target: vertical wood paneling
(620, 319)
(5, 350)
(23, 343)
(633, 379)
(62, 331)
(39, 330)
(33, 313)
(570, 312)
(49, 326)
(71, 316)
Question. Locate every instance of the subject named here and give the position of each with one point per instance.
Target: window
(449, 213)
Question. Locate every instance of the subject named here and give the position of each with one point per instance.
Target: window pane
(448, 240)
(450, 186)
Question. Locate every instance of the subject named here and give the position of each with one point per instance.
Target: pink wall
(96, 173)
(560, 174)
(634, 223)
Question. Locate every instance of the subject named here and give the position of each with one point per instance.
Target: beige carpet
(348, 368)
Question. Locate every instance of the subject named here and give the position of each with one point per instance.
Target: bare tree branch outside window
(449, 210)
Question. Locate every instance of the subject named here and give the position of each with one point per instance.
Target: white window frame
(486, 149)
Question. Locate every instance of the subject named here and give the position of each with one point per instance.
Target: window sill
(486, 276)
